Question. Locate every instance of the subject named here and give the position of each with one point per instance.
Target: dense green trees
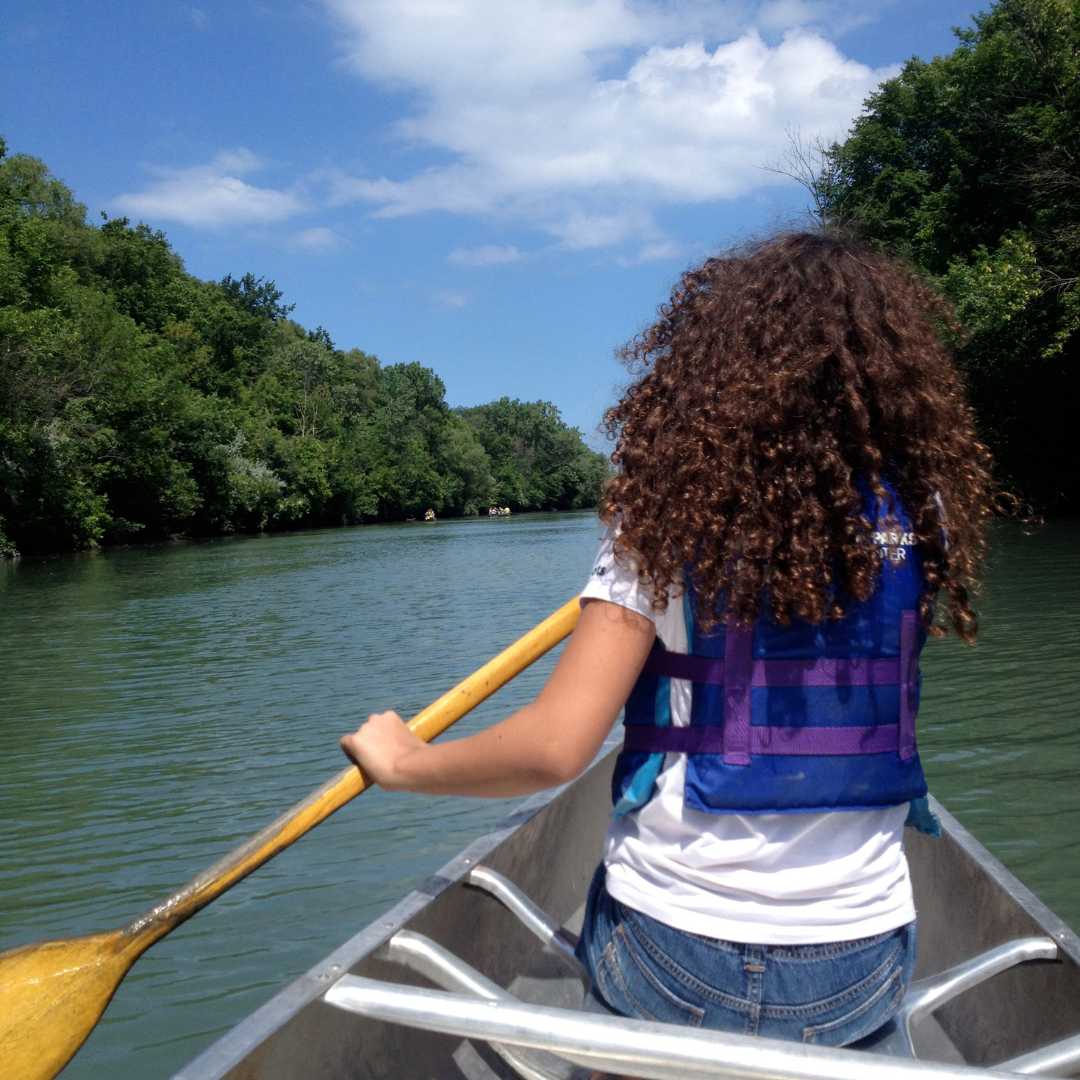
(969, 166)
(137, 401)
(536, 460)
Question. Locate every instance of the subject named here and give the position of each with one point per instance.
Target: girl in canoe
(798, 481)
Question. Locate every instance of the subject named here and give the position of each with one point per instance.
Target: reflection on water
(159, 705)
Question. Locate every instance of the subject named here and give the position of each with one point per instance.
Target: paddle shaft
(52, 993)
(319, 805)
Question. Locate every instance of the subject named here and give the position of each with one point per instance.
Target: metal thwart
(518, 904)
(545, 1043)
(925, 996)
(1059, 1059)
(428, 958)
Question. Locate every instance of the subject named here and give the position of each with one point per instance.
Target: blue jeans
(832, 994)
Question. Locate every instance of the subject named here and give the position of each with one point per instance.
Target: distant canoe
(1013, 986)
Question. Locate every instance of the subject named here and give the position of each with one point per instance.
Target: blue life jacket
(792, 719)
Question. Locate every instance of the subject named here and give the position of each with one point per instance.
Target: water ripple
(159, 705)
(1000, 723)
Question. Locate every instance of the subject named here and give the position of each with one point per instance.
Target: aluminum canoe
(453, 984)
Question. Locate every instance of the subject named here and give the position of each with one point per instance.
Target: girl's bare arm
(546, 743)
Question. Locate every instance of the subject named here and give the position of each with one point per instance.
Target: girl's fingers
(378, 746)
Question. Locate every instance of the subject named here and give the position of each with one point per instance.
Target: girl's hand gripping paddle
(52, 993)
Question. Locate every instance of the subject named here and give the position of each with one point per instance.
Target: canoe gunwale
(254, 1030)
(954, 869)
(1067, 940)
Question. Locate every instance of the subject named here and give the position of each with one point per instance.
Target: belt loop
(909, 682)
(738, 668)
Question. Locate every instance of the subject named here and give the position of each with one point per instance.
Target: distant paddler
(430, 515)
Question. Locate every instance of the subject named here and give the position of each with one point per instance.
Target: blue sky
(503, 190)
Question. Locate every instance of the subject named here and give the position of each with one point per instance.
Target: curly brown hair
(777, 379)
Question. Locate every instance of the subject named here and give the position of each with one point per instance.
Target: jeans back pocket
(631, 985)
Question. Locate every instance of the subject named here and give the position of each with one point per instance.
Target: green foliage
(137, 401)
(990, 289)
(37, 193)
(967, 166)
(538, 463)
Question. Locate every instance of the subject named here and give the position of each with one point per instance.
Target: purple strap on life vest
(909, 682)
(738, 672)
(822, 672)
(808, 741)
(738, 669)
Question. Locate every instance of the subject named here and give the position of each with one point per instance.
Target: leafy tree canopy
(537, 461)
(969, 167)
(137, 401)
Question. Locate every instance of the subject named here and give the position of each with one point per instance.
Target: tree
(812, 164)
(405, 442)
(538, 462)
(969, 167)
(27, 183)
(137, 401)
(472, 488)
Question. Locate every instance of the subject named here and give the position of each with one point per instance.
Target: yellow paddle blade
(52, 993)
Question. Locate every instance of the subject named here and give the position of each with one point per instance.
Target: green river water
(158, 705)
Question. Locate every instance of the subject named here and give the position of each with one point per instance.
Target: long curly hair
(778, 379)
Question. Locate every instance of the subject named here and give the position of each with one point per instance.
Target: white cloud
(318, 239)
(451, 299)
(211, 195)
(662, 249)
(832, 16)
(580, 116)
(487, 255)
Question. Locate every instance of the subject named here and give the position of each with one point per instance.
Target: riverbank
(138, 401)
(180, 539)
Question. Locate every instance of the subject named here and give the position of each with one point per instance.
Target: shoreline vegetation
(138, 402)
(968, 167)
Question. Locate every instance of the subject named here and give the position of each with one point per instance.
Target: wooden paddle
(52, 993)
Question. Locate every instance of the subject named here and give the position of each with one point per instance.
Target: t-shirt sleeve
(612, 582)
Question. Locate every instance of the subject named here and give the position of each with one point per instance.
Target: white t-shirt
(770, 879)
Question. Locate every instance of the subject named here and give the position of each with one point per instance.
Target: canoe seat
(539, 1042)
(925, 996)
